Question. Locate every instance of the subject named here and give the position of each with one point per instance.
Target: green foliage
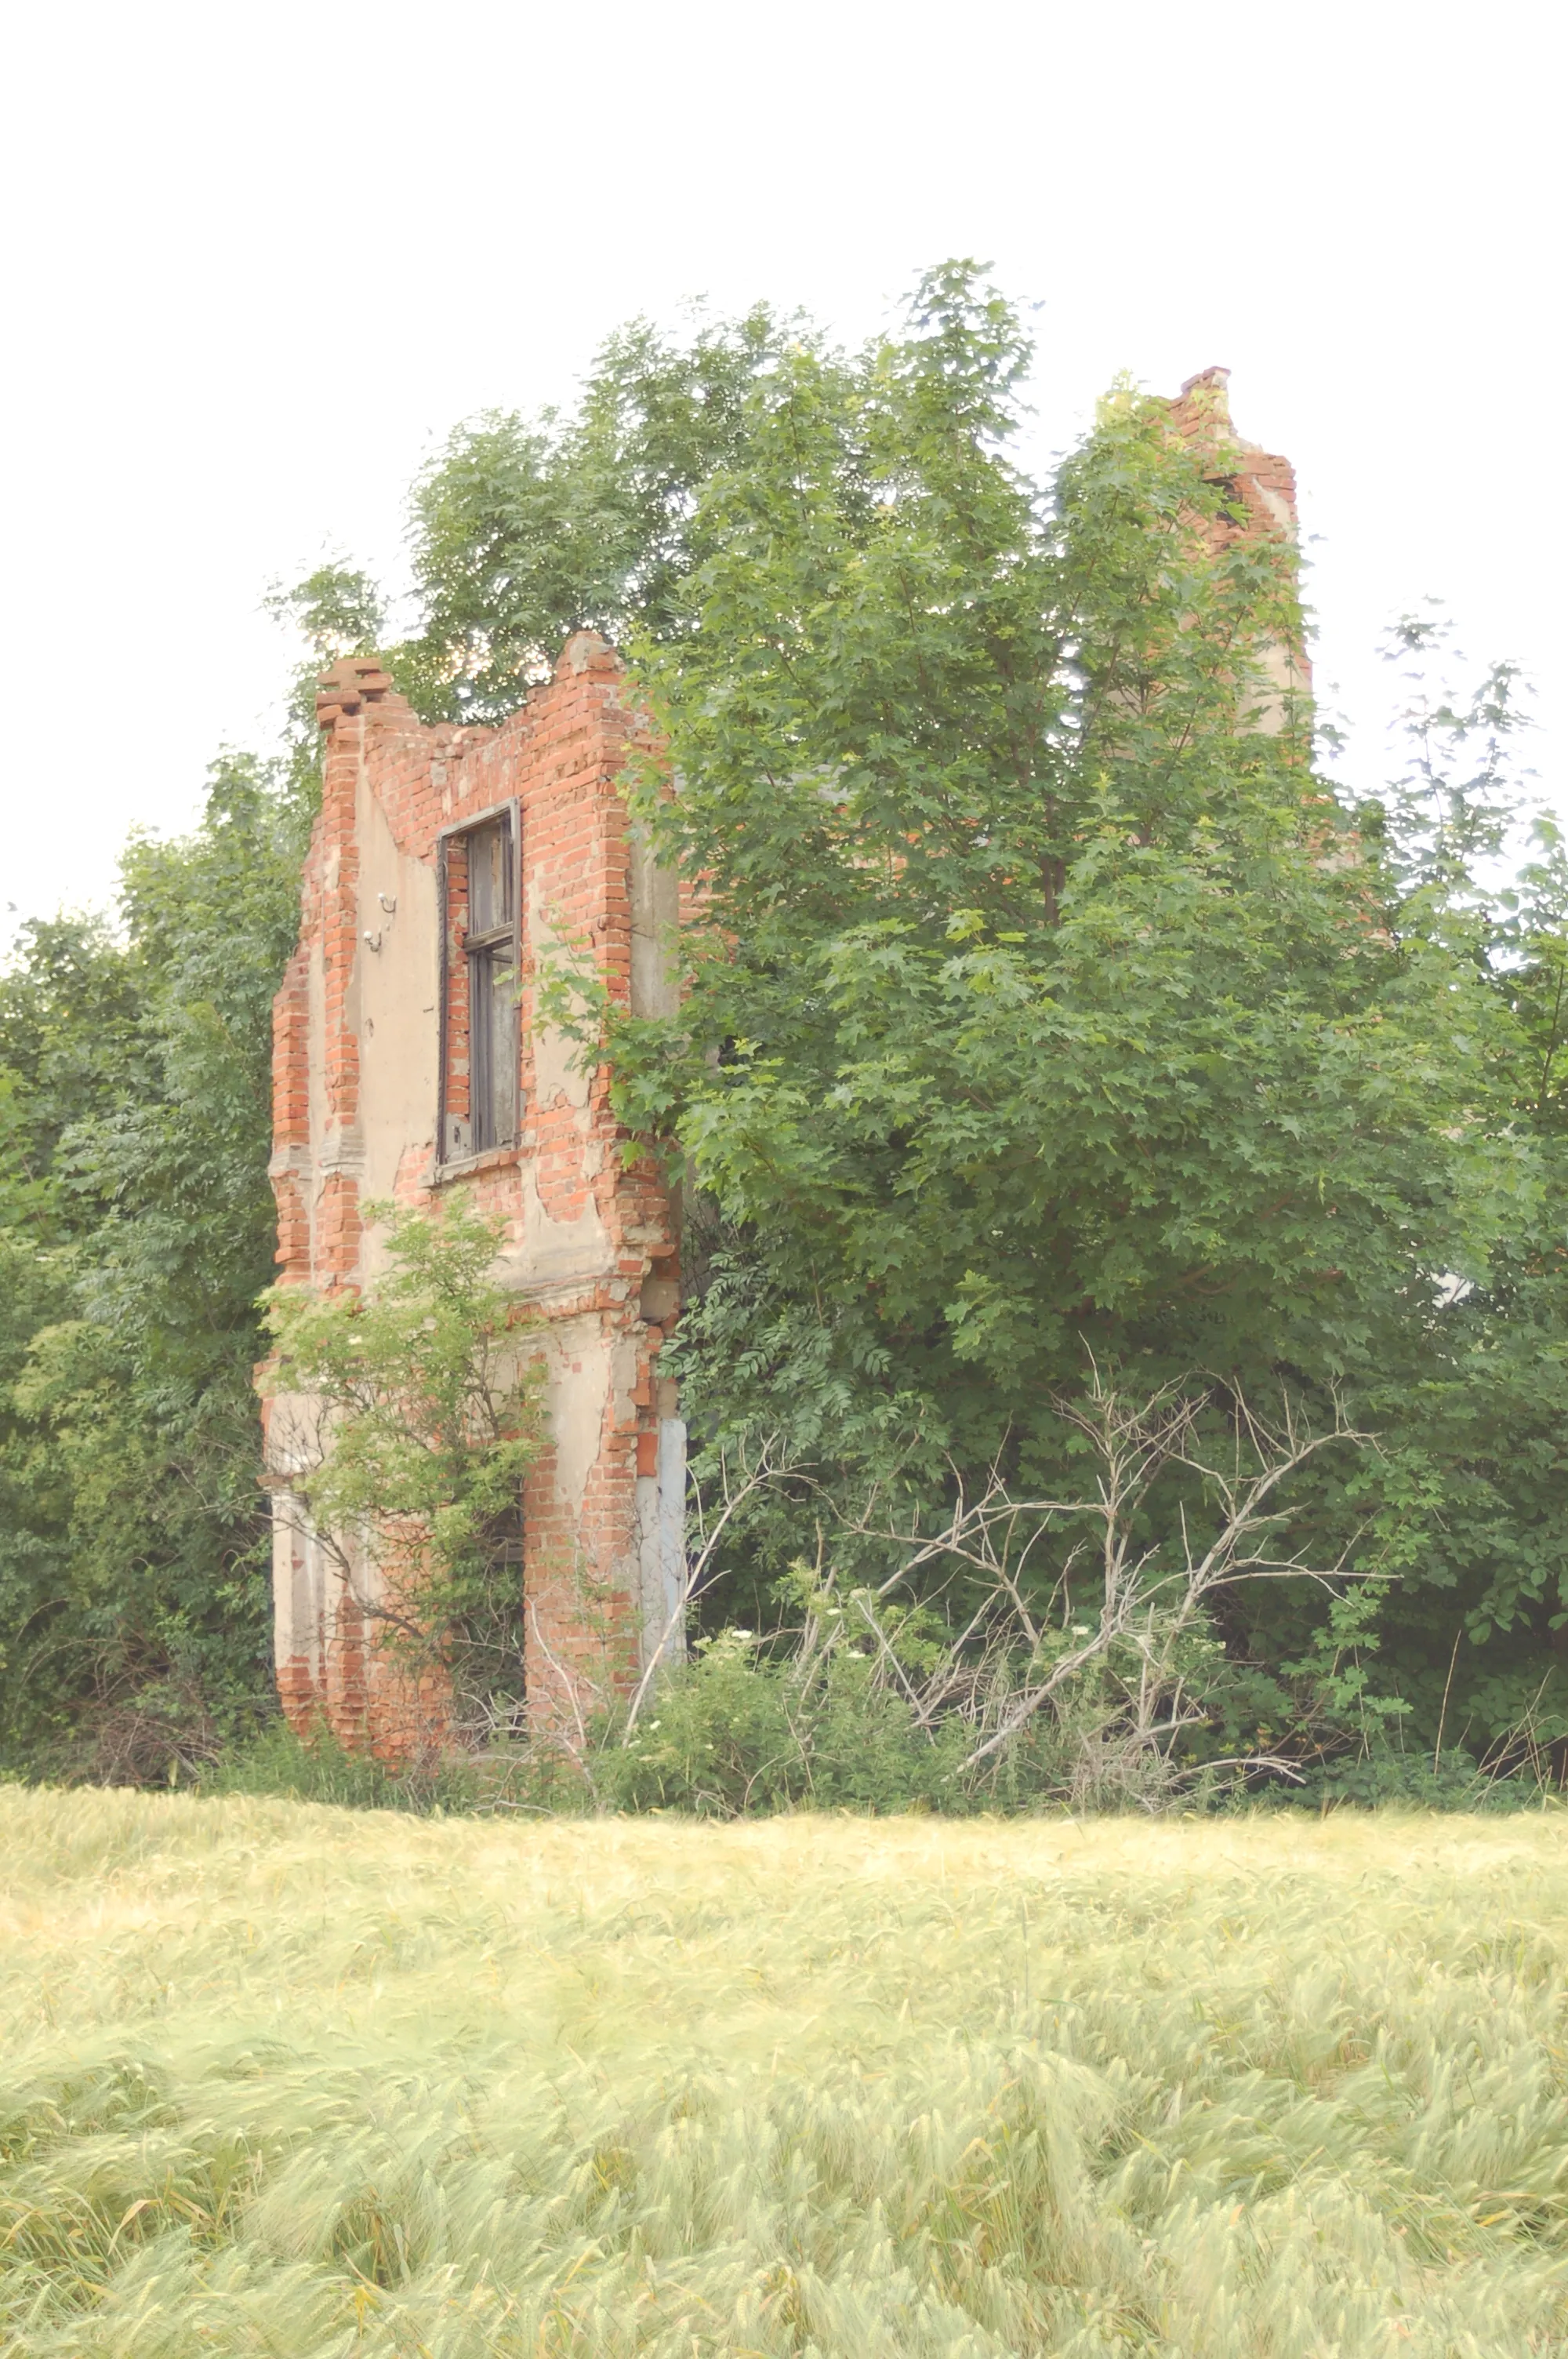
(741, 1732)
(1048, 1020)
(278, 1761)
(1053, 1007)
(71, 1041)
(1384, 1777)
(421, 1419)
(137, 1230)
(746, 1730)
(738, 1735)
(336, 610)
(525, 530)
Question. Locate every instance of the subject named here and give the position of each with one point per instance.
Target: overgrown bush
(736, 1733)
(407, 1412)
(136, 1228)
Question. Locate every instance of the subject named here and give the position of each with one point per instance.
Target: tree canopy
(1064, 1016)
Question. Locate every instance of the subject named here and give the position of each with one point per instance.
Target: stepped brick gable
(409, 1065)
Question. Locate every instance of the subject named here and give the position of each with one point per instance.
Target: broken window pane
(490, 878)
(479, 1080)
(492, 1087)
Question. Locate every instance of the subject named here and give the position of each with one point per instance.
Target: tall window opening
(481, 955)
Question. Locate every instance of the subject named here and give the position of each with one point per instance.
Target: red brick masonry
(591, 1246)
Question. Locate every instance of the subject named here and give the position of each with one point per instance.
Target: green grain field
(288, 2080)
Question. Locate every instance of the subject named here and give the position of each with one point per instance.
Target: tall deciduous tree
(137, 1228)
(1049, 1006)
(526, 529)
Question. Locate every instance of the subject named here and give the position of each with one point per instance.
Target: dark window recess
(489, 1684)
(491, 952)
(480, 1045)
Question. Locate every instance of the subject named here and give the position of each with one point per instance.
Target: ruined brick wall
(1200, 414)
(591, 1246)
(1262, 486)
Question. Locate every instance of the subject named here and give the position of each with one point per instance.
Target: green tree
(421, 1422)
(1467, 1508)
(137, 1233)
(335, 610)
(527, 529)
(1049, 1005)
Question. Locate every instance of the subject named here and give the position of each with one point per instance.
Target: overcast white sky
(256, 259)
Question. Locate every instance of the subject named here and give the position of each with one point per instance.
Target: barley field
(279, 2079)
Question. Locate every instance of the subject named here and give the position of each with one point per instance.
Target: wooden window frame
(511, 810)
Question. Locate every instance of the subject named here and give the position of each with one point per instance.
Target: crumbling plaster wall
(589, 1245)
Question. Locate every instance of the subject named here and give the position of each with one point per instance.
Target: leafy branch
(404, 1419)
